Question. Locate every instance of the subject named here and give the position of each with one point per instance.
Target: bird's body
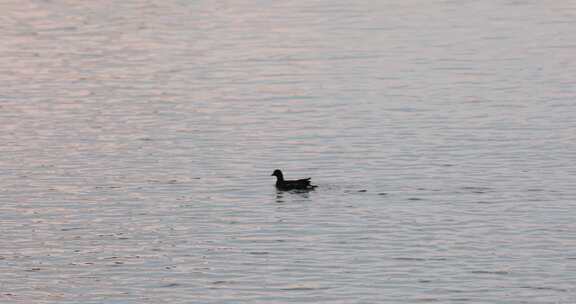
(299, 184)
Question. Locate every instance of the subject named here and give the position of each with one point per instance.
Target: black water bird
(299, 184)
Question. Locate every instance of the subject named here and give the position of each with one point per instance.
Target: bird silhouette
(299, 184)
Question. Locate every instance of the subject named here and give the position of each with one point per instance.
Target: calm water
(138, 138)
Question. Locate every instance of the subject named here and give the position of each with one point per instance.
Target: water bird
(299, 184)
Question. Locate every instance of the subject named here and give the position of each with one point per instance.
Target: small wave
(545, 288)
(496, 272)
(409, 259)
(302, 288)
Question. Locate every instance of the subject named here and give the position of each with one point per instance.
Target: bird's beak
(272, 174)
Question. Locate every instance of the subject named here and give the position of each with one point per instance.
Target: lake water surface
(138, 138)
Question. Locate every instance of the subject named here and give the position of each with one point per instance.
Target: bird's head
(277, 173)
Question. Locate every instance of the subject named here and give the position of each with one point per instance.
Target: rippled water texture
(138, 138)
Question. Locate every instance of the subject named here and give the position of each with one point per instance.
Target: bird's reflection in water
(292, 195)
